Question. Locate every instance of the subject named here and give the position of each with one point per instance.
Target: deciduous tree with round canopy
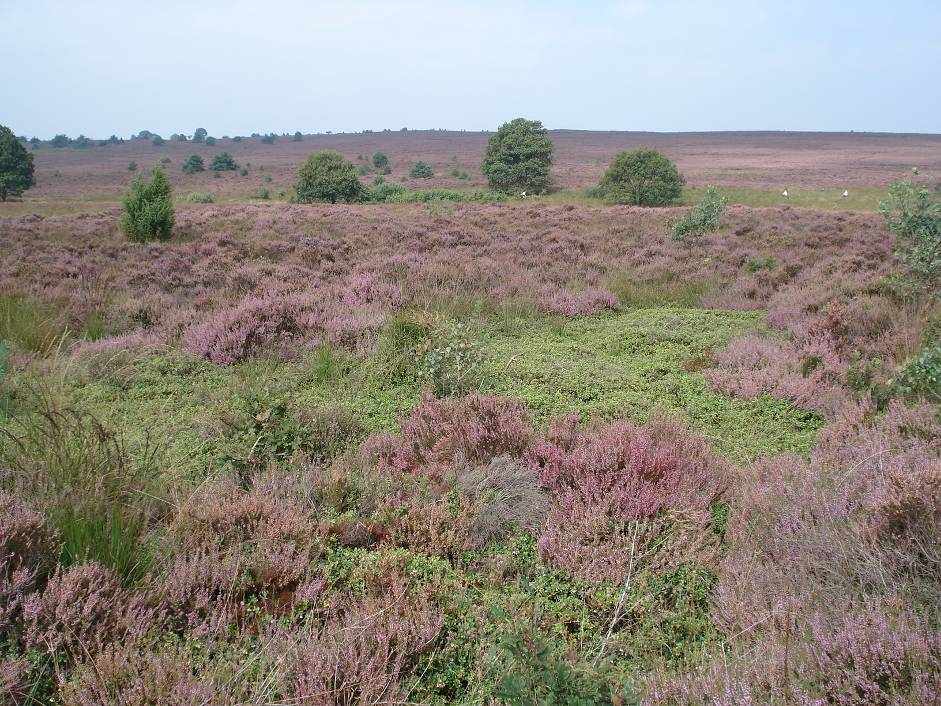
(644, 177)
(518, 157)
(326, 176)
(16, 165)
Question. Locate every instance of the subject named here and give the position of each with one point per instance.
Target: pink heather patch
(560, 301)
(475, 429)
(233, 334)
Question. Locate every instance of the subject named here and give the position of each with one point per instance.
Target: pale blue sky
(238, 67)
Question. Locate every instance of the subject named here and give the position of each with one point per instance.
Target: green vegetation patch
(635, 363)
(629, 364)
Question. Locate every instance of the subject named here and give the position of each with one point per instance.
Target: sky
(236, 67)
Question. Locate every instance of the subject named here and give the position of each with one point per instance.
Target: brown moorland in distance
(748, 160)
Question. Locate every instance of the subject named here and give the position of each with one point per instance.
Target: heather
(467, 450)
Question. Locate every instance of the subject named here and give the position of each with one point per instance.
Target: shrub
(263, 194)
(518, 157)
(380, 160)
(362, 655)
(199, 197)
(127, 676)
(429, 195)
(450, 361)
(560, 301)
(268, 139)
(384, 191)
(606, 480)
(920, 375)
(81, 611)
(914, 216)
(194, 163)
(148, 209)
(644, 177)
(16, 165)
(386, 170)
(237, 138)
(872, 656)
(271, 539)
(235, 333)
(81, 143)
(531, 669)
(165, 161)
(298, 137)
(753, 365)
(210, 141)
(132, 166)
(223, 163)
(421, 170)
(157, 141)
(362, 170)
(475, 430)
(704, 218)
(60, 141)
(28, 548)
(326, 176)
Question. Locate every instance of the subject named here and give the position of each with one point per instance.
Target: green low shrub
(426, 195)
(702, 218)
(920, 375)
(384, 191)
(194, 163)
(199, 197)
(914, 215)
(223, 162)
(421, 170)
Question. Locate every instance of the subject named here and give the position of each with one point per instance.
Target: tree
(16, 165)
(421, 170)
(60, 141)
(379, 160)
(269, 139)
(644, 177)
(223, 163)
(210, 141)
(157, 141)
(298, 136)
(194, 163)
(81, 142)
(518, 157)
(200, 134)
(148, 208)
(326, 176)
